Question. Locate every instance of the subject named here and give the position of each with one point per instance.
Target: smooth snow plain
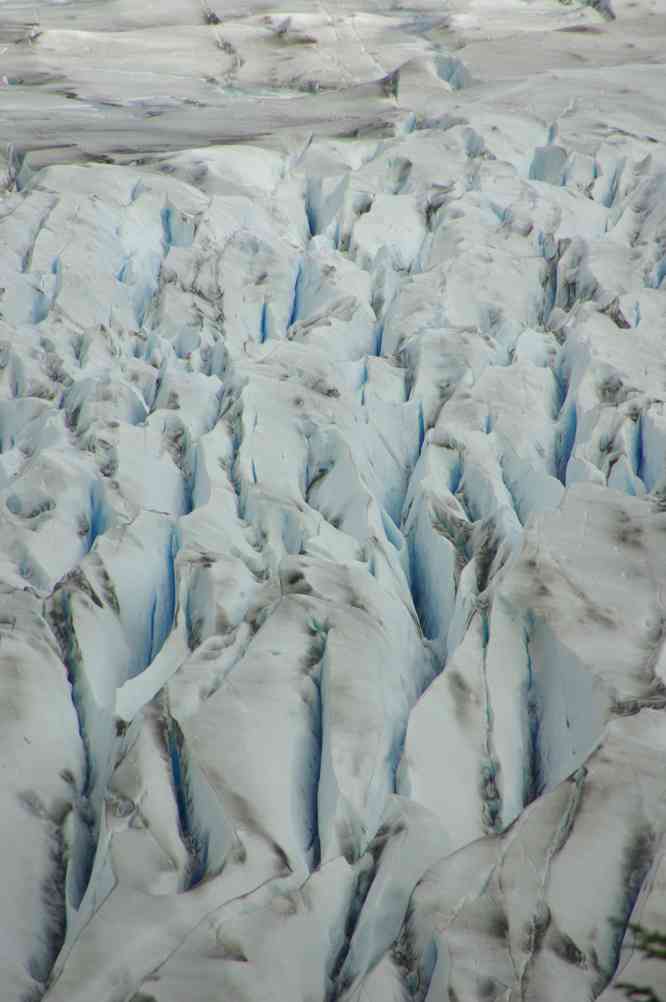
(332, 499)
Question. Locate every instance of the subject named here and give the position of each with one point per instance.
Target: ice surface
(332, 499)
(538, 908)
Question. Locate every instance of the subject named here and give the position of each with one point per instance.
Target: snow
(332, 478)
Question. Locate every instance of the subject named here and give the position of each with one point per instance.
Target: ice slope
(497, 916)
(332, 499)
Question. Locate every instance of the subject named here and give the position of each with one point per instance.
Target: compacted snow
(332, 499)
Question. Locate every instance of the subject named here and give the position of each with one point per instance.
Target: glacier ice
(332, 499)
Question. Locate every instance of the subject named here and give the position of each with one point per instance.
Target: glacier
(332, 499)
